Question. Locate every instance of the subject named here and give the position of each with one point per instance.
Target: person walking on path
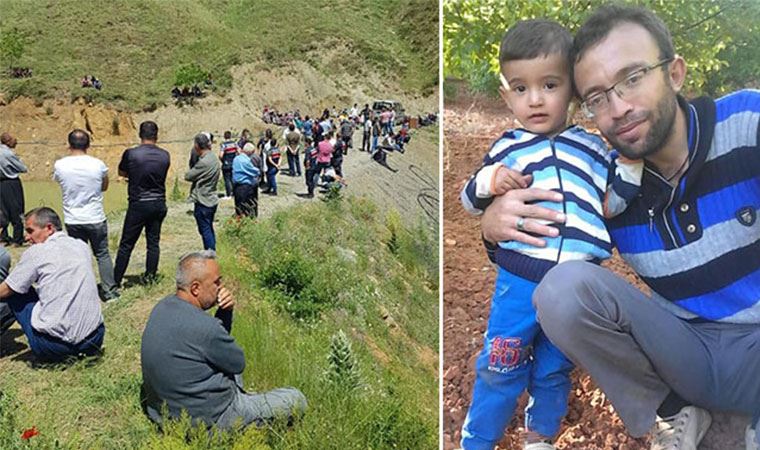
(190, 361)
(52, 291)
(228, 151)
(245, 178)
(83, 181)
(204, 176)
(145, 166)
(11, 191)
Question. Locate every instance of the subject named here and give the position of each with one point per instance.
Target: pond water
(48, 193)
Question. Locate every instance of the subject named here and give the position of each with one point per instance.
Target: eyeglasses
(599, 102)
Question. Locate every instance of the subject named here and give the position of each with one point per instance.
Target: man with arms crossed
(691, 234)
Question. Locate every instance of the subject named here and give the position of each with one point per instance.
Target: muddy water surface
(48, 193)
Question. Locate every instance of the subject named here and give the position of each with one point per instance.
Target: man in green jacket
(204, 175)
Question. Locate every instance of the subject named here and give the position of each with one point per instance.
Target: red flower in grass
(29, 433)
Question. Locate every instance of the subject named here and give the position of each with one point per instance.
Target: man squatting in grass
(534, 60)
(191, 362)
(60, 316)
(204, 176)
(691, 234)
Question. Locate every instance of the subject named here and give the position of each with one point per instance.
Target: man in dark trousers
(145, 166)
(191, 362)
(11, 191)
(346, 135)
(227, 153)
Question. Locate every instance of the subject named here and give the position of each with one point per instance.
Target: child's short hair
(529, 39)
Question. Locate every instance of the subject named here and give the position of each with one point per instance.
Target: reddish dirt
(470, 127)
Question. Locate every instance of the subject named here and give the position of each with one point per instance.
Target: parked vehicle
(378, 106)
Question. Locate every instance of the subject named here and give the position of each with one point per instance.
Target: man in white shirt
(83, 180)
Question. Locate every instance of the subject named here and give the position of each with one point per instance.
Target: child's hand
(506, 179)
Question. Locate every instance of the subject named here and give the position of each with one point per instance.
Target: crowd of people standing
(314, 148)
(57, 302)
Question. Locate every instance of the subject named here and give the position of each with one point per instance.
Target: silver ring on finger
(521, 224)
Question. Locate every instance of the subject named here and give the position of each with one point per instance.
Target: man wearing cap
(204, 175)
(11, 191)
(245, 182)
(145, 166)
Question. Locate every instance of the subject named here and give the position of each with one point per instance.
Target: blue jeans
(227, 174)
(204, 217)
(516, 356)
(294, 164)
(272, 177)
(47, 347)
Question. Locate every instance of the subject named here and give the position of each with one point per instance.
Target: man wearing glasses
(691, 234)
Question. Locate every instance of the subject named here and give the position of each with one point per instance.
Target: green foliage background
(386, 302)
(719, 39)
(11, 46)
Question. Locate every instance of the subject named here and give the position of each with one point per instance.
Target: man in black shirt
(145, 166)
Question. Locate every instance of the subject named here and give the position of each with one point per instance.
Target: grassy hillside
(300, 277)
(136, 46)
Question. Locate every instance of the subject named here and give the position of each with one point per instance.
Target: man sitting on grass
(61, 317)
(191, 362)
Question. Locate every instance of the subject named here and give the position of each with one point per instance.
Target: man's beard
(660, 128)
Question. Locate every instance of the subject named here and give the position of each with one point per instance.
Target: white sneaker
(535, 441)
(539, 446)
(750, 440)
(683, 431)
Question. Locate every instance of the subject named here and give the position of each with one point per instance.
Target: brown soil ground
(470, 126)
(41, 127)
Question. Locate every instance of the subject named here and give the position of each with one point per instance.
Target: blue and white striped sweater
(698, 245)
(575, 163)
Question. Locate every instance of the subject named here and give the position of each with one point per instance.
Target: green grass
(136, 46)
(385, 301)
